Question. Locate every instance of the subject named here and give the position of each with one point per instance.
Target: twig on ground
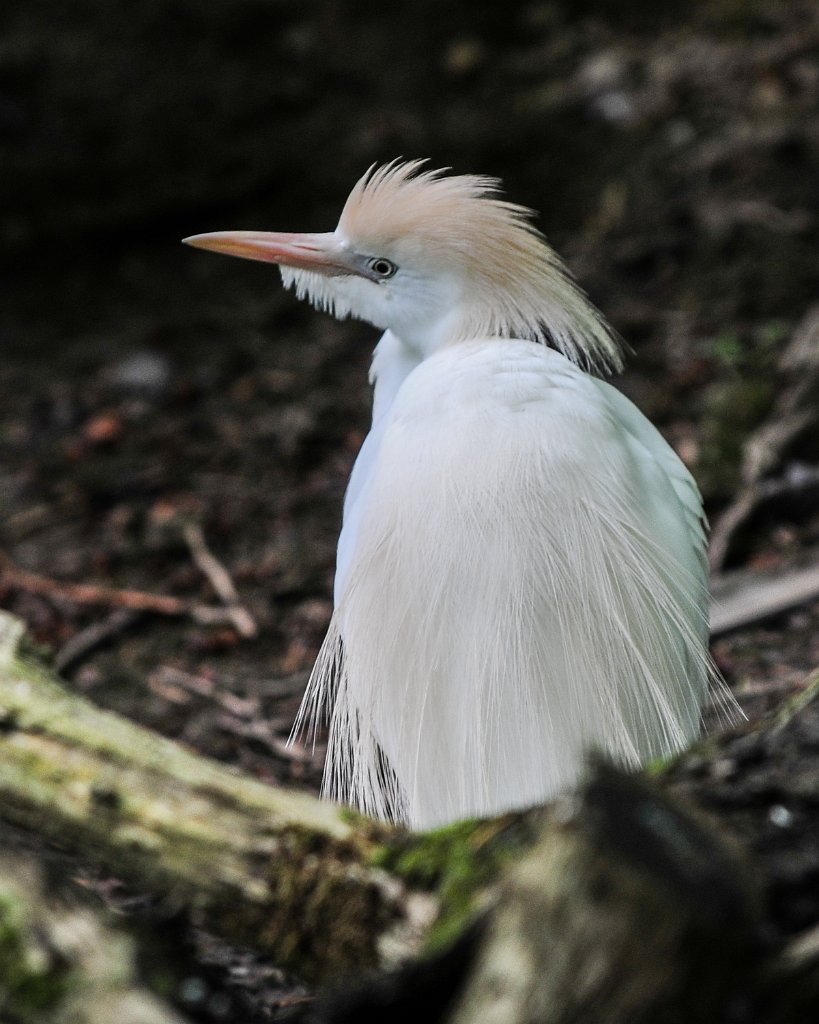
(239, 716)
(87, 640)
(12, 575)
(262, 733)
(219, 579)
(209, 689)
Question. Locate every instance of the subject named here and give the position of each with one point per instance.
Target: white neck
(392, 363)
(404, 346)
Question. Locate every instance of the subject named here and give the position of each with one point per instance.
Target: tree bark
(626, 911)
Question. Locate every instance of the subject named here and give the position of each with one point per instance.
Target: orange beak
(321, 253)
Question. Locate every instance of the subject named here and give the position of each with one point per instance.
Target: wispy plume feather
(520, 288)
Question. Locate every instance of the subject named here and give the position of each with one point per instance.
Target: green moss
(30, 650)
(727, 347)
(798, 701)
(423, 860)
(459, 862)
(29, 979)
(659, 765)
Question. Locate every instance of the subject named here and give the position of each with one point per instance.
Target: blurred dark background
(672, 150)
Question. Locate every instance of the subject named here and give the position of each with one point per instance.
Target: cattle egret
(521, 570)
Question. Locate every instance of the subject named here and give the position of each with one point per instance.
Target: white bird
(521, 571)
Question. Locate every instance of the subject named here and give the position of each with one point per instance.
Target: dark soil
(672, 149)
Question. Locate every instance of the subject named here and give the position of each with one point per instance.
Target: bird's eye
(381, 267)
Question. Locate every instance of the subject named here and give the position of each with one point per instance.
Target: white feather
(521, 579)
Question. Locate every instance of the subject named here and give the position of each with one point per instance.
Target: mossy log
(625, 911)
(629, 909)
(314, 887)
(616, 904)
(280, 871)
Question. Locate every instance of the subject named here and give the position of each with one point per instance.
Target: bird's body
(521, 571)
(527, 552)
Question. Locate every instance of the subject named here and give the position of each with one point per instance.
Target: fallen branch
(627, 911)
(81, 644)
(278, 871)
(240, 716)
(13, 576)
(746, 597)
(219, 579)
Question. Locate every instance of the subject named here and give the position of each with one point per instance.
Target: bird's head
(436, 259)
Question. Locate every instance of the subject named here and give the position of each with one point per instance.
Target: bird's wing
(646, 438)
(391, 365)
(362, 468)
